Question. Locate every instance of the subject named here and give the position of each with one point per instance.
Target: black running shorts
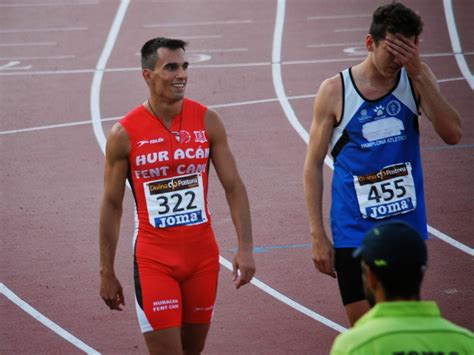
(349, 276)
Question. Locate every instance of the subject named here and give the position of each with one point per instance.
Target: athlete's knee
(166, 341)
(193, 348)
(193, 345)
(193, 338)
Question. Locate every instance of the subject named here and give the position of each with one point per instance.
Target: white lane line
(361, 51)
(359, 29)
(13, 65)
(49, 29)
(450, 79)
(214, 50)
(291, 116)
(46, 321)
(234, 65)
(99, 73)
(324, 45)
(204, 66)
(59, 125)
(445, 54)
(55, 4)
(321, 61)
(81, 123)
(280, 91)
(100, 136)
(205, 23)
(334, 17)
(447, 239)
(46, 57)
(288, 301)
(217, 50)
(60, 72)
(354, 58)
(254, 102)
(232, 104)
(456, 44)
(198, 37)
(195, 37)
(276, 71)
(28, 44)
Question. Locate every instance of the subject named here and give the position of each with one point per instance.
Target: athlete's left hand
(243, 268)
(405, 52)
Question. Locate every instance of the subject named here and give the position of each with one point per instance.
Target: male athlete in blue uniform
(368, 118)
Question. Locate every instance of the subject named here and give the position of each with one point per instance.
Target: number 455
(386, 191)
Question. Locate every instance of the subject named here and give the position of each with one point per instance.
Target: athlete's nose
(181, 72)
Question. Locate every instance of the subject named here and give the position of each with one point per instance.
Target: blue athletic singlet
(377, 165)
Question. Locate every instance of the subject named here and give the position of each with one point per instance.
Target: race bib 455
(386, 193)
(177, 201)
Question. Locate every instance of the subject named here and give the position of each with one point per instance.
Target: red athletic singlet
(176, 255)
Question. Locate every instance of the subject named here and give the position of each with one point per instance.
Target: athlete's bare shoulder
(211, 117)
(118, 142)
(332, 84)
(214, 126)
(331, 90)
(328, 102)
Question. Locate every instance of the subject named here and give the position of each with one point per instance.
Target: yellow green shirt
(404, 328)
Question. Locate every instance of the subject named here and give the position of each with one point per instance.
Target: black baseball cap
(392, 245)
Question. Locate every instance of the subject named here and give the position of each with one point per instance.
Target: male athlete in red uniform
(163, 148)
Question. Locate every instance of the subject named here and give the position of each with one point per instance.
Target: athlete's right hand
(243, 268)
(322, 253)
(111, 292)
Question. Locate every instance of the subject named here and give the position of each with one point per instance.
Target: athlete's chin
(179, 94)
(177, 97)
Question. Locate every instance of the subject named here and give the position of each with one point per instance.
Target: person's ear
(417, 40)
(369, 42)
(371, 280)
(146, 73)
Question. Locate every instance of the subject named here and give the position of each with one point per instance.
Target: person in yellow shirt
(393, 258)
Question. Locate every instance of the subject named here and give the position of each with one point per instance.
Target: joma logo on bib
(390, 209)
(179, 220)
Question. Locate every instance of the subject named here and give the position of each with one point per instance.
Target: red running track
(52, 162)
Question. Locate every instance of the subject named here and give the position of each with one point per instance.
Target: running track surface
(52, 162)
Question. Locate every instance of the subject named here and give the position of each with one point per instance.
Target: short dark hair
(395, 18)
(150, 50)
(401, 283)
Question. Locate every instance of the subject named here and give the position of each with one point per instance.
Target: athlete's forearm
(109, 231)
(240, 212)
(444, 117)
(313, 190)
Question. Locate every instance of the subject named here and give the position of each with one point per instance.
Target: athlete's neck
(370, 81)
(164, 111)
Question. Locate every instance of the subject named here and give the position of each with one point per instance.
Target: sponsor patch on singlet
(387, 192)
(177, 201)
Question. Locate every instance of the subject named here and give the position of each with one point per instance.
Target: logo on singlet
(200, 137)
(184, 136)
(393, 107)
(379, 110)
(150, 141)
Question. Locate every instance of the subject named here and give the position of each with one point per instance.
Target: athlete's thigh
(199, 295)
(349, 276)
(158, 300)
